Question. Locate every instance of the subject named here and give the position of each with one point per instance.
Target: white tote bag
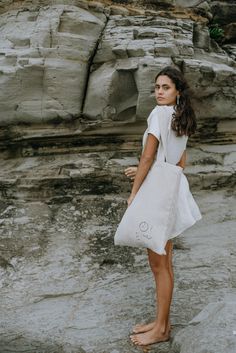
(148, 221)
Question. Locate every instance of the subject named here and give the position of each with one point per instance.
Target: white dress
(187, 211)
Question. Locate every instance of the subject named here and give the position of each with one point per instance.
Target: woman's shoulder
(160, 109)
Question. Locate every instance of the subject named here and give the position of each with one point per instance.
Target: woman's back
(175, 146)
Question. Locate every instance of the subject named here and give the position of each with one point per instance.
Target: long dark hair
(184, 119)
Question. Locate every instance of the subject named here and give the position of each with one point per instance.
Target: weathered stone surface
(44, 62)
(66, 288)
(152, 42)
(60, 176)
(211, 331)
(230, 33)
(224, 12)
(200, 72)
(54, 65)
(186, 3)
(117, 100)
(231, 49)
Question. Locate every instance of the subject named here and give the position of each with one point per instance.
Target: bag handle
(164, 135)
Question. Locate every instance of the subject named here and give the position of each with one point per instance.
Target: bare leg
(139, 328)
(164, 286)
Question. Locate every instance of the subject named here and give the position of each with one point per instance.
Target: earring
(177, 100)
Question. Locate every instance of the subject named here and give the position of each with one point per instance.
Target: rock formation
(55, 58)
(76, 89)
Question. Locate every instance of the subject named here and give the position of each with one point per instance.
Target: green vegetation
(216, 32)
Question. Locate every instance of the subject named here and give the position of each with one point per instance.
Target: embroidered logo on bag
(143, 226)
(144, 231)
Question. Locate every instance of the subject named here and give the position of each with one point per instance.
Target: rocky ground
(65, 287)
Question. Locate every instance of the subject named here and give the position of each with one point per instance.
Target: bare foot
(140, 328)
(143, 327)
(149, 337)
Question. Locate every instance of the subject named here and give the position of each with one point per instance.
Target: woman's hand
(130, 199)
(182, 161)
(130, 172)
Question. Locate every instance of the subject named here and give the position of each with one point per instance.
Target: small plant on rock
(216, 32)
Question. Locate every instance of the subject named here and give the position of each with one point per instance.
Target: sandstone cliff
(88, 67)
(76, 82)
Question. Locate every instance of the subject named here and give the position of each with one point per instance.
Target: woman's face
(165, 91)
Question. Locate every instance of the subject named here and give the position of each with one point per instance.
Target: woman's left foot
(150, 337)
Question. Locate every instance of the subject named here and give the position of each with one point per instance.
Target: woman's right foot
(143, 327)
(140, 328)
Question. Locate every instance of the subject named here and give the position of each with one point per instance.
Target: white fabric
(149, 218)
(163, 206)
(175, 145)
(187, 209)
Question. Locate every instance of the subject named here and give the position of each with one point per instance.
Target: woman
(171, 92)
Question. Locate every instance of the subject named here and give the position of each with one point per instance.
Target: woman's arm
(145, 164)
(182, 161)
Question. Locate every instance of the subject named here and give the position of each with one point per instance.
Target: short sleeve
(153, 125)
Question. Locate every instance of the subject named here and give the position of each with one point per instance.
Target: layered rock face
(55, 59)
(44, 62)
(76, 89)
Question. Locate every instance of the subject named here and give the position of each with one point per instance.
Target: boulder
(224, 12)
(213, 330)
(45, 57)
(230, 33)
(118, 97)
